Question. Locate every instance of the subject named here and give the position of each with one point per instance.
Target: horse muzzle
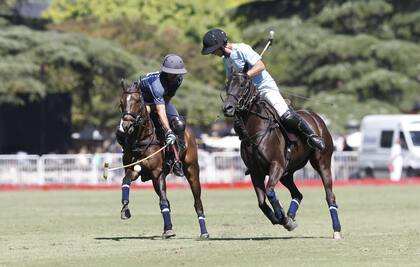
(128, 127)
(228, 110)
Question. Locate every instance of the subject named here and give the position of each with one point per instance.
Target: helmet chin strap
(226, 55)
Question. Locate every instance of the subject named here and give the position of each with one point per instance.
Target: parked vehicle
(379, 132)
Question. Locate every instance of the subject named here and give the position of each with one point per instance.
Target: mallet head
(105, 173)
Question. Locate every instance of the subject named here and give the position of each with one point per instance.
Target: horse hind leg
(323, 167)
(192, 175)
(296, 195)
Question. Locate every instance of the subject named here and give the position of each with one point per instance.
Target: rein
(107, 169)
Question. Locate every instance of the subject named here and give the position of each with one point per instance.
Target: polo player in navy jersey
(157, 89)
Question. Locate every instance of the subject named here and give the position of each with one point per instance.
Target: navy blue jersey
(154, 88)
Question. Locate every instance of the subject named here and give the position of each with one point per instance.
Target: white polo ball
(137, 168)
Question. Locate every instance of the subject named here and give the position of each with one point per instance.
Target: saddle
(290, 137)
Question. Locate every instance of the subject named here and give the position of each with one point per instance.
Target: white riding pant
(274, 97)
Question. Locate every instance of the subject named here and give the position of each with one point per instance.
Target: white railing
(216, 167)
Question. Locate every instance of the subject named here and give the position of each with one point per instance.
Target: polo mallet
(269, 42)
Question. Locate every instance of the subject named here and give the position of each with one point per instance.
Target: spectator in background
(395, 163)
(346, 146)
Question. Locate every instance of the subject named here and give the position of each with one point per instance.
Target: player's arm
(161, 111)
(253, 59)
(256, 69)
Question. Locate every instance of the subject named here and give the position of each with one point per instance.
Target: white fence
(217, 167)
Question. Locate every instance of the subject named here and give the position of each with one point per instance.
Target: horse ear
(123, 86)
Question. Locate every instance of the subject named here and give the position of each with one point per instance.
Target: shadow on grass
(156, 237)
(119, 238)
(264, 238)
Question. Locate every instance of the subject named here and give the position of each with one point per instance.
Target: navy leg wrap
(125, 188)
(166, 214)
(334, 217)
(202, 222)
(276, 205)
(294, 206)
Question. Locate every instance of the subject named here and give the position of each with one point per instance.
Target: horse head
(132, 107)
(239, 89)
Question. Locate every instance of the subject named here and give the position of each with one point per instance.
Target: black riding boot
(177, 168)
(293, 121)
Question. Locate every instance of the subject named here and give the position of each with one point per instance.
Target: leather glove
(170, 138)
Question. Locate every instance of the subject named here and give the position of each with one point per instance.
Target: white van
(379, 132)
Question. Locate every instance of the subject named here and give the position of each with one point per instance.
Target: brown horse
(268, 149)
(142, 142)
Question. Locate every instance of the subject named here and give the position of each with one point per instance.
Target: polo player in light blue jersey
(237, 56)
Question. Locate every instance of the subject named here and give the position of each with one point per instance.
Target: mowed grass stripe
(381, 227)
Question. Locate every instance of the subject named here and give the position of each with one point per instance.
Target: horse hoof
(204, 236)
(125, 213)
(290, 225)
(168, 234)
(337, 236)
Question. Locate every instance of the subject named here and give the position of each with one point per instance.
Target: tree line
(343, 59)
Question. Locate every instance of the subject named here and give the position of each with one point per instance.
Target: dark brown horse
(144, 143)
(268, 149)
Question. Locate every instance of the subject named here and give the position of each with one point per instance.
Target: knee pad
(178, 125)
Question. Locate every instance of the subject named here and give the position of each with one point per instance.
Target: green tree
(37, 63)
(186, 15)
(362, 54)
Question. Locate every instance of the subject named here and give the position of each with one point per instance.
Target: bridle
(137, 116)
(245, 100)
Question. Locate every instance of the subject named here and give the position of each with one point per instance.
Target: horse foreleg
(159, 185)
(275, 174)
(274, 177)
(258, 182)
(125, 192)
(296, 195)
(192, 174)
(323, 167)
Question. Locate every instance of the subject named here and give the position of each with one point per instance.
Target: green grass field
(381, 227)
